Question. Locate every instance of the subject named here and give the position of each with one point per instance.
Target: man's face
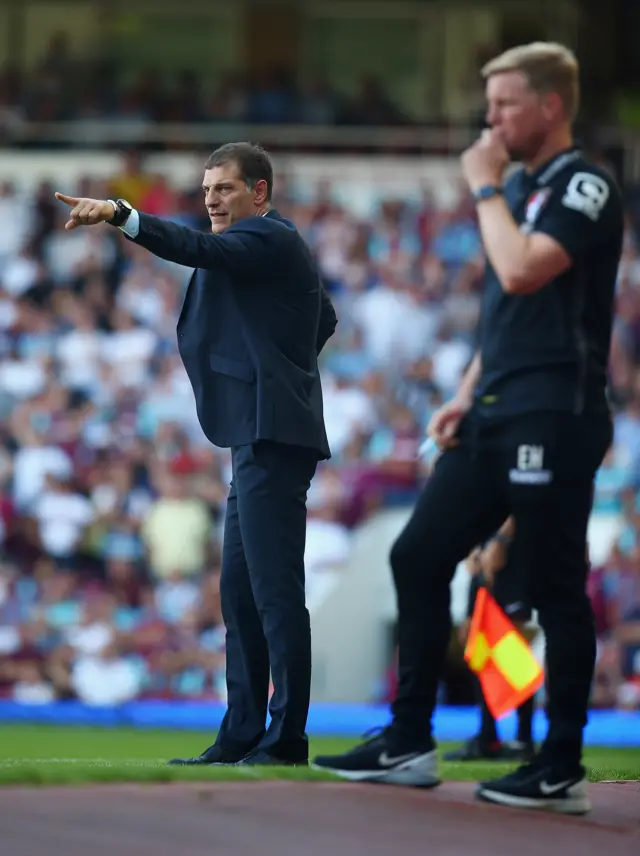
(521, 116)
(227, 197)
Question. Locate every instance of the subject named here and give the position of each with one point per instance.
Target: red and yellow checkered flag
(500, 656)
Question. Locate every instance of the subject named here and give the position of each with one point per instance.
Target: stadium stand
(111, 499)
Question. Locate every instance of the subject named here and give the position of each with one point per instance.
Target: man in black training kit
(254, 319)
(494, 568)
(524, 435)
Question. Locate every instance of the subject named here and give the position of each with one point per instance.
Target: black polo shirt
(550, 350)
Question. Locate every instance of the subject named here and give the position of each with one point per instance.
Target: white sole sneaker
(419, 772)
(576, 800)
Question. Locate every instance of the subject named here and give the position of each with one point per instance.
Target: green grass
(42, 755)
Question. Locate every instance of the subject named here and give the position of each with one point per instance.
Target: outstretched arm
(241, 250)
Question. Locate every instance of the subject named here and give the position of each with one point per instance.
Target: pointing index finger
(69, 200)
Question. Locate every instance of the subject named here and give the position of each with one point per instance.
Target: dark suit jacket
(254, 319)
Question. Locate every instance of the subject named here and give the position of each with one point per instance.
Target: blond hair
(547, 66)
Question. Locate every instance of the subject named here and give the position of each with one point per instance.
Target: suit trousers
(262, 591)
(540, 468)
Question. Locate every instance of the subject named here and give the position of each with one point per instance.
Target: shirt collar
(548, 170)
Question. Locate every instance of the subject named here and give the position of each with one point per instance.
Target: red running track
(306, 819)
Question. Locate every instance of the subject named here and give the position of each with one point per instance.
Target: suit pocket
(232, 368)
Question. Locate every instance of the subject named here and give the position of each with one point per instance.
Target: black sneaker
(476, 749)
(383, 759)
(540, 786)
(213, 755)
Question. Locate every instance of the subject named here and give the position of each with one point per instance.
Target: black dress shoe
(260, 758)
(213, 755)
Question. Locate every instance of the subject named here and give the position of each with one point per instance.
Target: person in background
(492, 566)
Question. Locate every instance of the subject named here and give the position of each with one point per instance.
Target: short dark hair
(253, 163)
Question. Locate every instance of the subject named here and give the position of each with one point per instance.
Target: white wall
(349, 625)
(359, 182)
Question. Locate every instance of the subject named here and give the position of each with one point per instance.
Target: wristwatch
(487, 192)
(122, 210)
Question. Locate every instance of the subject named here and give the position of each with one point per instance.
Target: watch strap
(122, 210)
(488, 191)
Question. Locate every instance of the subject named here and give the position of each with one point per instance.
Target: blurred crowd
(64, 88)
(112, 501)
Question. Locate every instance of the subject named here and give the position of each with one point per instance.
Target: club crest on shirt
(535, 204)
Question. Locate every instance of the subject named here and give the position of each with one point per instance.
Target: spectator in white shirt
(62, 515)
(129, 349)
(107, 678)
(79, 351)
(32, 463)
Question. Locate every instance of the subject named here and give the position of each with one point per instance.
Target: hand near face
(485, 162)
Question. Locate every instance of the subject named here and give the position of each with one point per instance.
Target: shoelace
(374, 734)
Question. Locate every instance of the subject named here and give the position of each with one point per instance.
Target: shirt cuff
(132, 226)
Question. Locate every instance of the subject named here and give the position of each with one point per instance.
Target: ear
(552, 105)
(260, 191)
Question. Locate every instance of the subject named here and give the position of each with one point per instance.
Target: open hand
(86, 212)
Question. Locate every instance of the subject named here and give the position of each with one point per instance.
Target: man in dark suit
(254, 319)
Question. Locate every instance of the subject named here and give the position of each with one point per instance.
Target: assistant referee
(492, 567)
(526, 432)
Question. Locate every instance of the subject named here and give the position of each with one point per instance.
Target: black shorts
(508, 591)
